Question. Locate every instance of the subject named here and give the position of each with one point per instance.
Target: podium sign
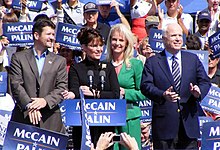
(101, 112)
(24, 137)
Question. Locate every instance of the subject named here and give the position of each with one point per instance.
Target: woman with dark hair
(92, 44)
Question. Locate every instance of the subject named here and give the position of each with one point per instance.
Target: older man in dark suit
(176, 82)
(38, 77)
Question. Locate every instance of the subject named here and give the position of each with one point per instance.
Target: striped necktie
(176, 73)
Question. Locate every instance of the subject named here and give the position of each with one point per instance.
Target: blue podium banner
(214, 44)
(3, 83)
(19, 33)
(203, 57)
(25, 137)
(146, 110)
(211, 101)
(67, 35)
(211, 136)
(101, 112)
(33, 5)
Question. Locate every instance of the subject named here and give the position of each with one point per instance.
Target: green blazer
(130, 79)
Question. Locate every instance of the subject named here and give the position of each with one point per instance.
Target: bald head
(172, 37)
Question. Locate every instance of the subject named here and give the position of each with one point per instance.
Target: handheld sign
(155, 40)
(146, 110)
(211, 136)
(3, 83)
(32, 5)
(203, 57)
(25, 137)
(202, 120)
(86, 137)
(211, 101)
(101, 112)
(108, 2)
(66, 35)
(19, 33)
(214, 44)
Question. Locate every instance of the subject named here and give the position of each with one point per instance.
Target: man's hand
(195, 91)
(37, 103)
(34, 116)
(105, 141)
(171, 96)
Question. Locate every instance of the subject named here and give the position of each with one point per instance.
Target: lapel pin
(50, 62)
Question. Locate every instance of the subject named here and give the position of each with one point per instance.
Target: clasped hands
(172, 96)
(34, 109)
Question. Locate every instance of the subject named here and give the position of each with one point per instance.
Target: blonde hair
(129, 50)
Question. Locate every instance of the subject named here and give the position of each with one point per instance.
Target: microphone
(102, 78)
(90, 75)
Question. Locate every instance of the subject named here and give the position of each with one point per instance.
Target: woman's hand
(68, 95)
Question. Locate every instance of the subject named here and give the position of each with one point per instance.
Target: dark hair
(88, 34)
(40, 24)
(40, 17)
(10, 17)
(193, 42)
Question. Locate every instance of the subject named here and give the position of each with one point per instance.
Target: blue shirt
(110, 20)
(40, 60)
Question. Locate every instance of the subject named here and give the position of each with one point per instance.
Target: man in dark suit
(176, 82)
(38, 77)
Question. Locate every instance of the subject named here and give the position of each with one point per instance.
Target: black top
(78, 77)
(103, 30)
(216, 78)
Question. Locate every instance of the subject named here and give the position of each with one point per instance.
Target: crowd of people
(42, 76)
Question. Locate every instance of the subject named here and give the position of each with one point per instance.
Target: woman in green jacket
(129, 70)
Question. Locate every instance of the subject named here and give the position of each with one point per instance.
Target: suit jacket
(26, 84)
(157, 78)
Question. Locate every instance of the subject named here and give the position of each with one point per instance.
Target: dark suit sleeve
(73, 81)
(114, 90)
(203, 80)
(147, 83)
(17, 83)
(55, 97)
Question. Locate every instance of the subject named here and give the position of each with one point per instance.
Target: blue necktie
(176, 73)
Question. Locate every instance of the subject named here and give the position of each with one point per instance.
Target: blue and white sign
(214, 44)
(107, 2)
(146, 110)
(202, 120)
(101, 112)
(203, 57)
(19, 33)
(86, 137)
(211, 136)
(3, 83)
(26, 137)
(211, 101)
(155, 40)
(5, 117)
(67, 35)
(32, 5)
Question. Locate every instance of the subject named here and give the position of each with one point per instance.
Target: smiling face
(93, 49)
(118, 42)
(173, 39)
(91, 17)
(46, 38)
(213, 3)
(172, 5)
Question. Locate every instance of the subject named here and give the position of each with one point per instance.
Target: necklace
(117, 64)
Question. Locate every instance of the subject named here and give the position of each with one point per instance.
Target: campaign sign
(86, 137)
(202, 120)
(146, 110)
(101, 112)
(214, 44)
(211, 136)
(19, 33)
(107, 2)
(211, 101)
(3, 83)
(33, 5)
(203, 57)
(26, 137)
(67, 35)
(5, 117)
(155, 40)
